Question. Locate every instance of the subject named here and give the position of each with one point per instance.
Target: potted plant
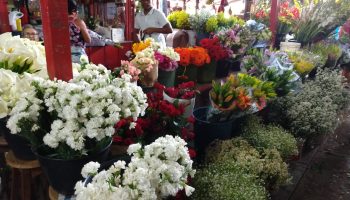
(71, 123)
(20, 60)
(167, 64)
(230, 100)
(156, 171)
(184, 94)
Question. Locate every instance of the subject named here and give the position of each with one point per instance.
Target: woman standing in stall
(78, 32)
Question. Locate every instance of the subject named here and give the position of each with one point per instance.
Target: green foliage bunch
(234, 20)
(211, 26)
(313, 110)
(199, 20)
(267, 165)
(331, 83)
(327, 51)
(269, 136)
(319, 19)
(226, 180)
(222, 20)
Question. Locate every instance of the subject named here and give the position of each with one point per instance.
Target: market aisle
(328, 177)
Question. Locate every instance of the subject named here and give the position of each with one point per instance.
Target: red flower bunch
(215, 49)
(161, 118)
(129, 132)
(261, 14)
(288, 14)
(196, 56)
(186, 90)
(164, 62)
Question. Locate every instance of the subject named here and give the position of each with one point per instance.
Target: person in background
(78, 31)
(30, 32)
(151, 22)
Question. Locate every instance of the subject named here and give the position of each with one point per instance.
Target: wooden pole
(56, 38)
(4, 17)
(248, 4)
(274, 19)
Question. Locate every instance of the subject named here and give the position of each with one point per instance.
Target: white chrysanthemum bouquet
(71, 119)
(22, 55)
(156, 171)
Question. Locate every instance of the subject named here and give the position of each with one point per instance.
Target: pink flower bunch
(128, 68)
(164, 62)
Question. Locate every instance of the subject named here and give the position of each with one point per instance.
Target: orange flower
(197, 56)
(137, 47)
(243, 101)
(261, 103)
(184, 56)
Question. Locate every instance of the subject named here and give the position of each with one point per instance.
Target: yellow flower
(303, 67)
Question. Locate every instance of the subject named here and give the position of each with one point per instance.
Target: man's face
(31, 34)
(146, 4)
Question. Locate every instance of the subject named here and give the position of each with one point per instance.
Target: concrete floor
(324, 172)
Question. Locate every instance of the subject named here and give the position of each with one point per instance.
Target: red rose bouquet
(215, 49)
(161, 118)
(186, 90)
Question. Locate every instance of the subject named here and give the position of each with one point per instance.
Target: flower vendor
(151, 23)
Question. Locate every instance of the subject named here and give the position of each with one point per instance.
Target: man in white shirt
(151, 23)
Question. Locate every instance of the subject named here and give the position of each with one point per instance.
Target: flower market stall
(223, 118)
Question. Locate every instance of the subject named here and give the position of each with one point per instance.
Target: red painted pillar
(56, 38)
(274, 19)
(129, 19)
(4, 17)
(91, 8)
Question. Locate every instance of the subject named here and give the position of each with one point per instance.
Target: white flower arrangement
(12, 86)
(67, 114)
(144, 60)
(170, 53)
(22, 55)
(156, 171)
